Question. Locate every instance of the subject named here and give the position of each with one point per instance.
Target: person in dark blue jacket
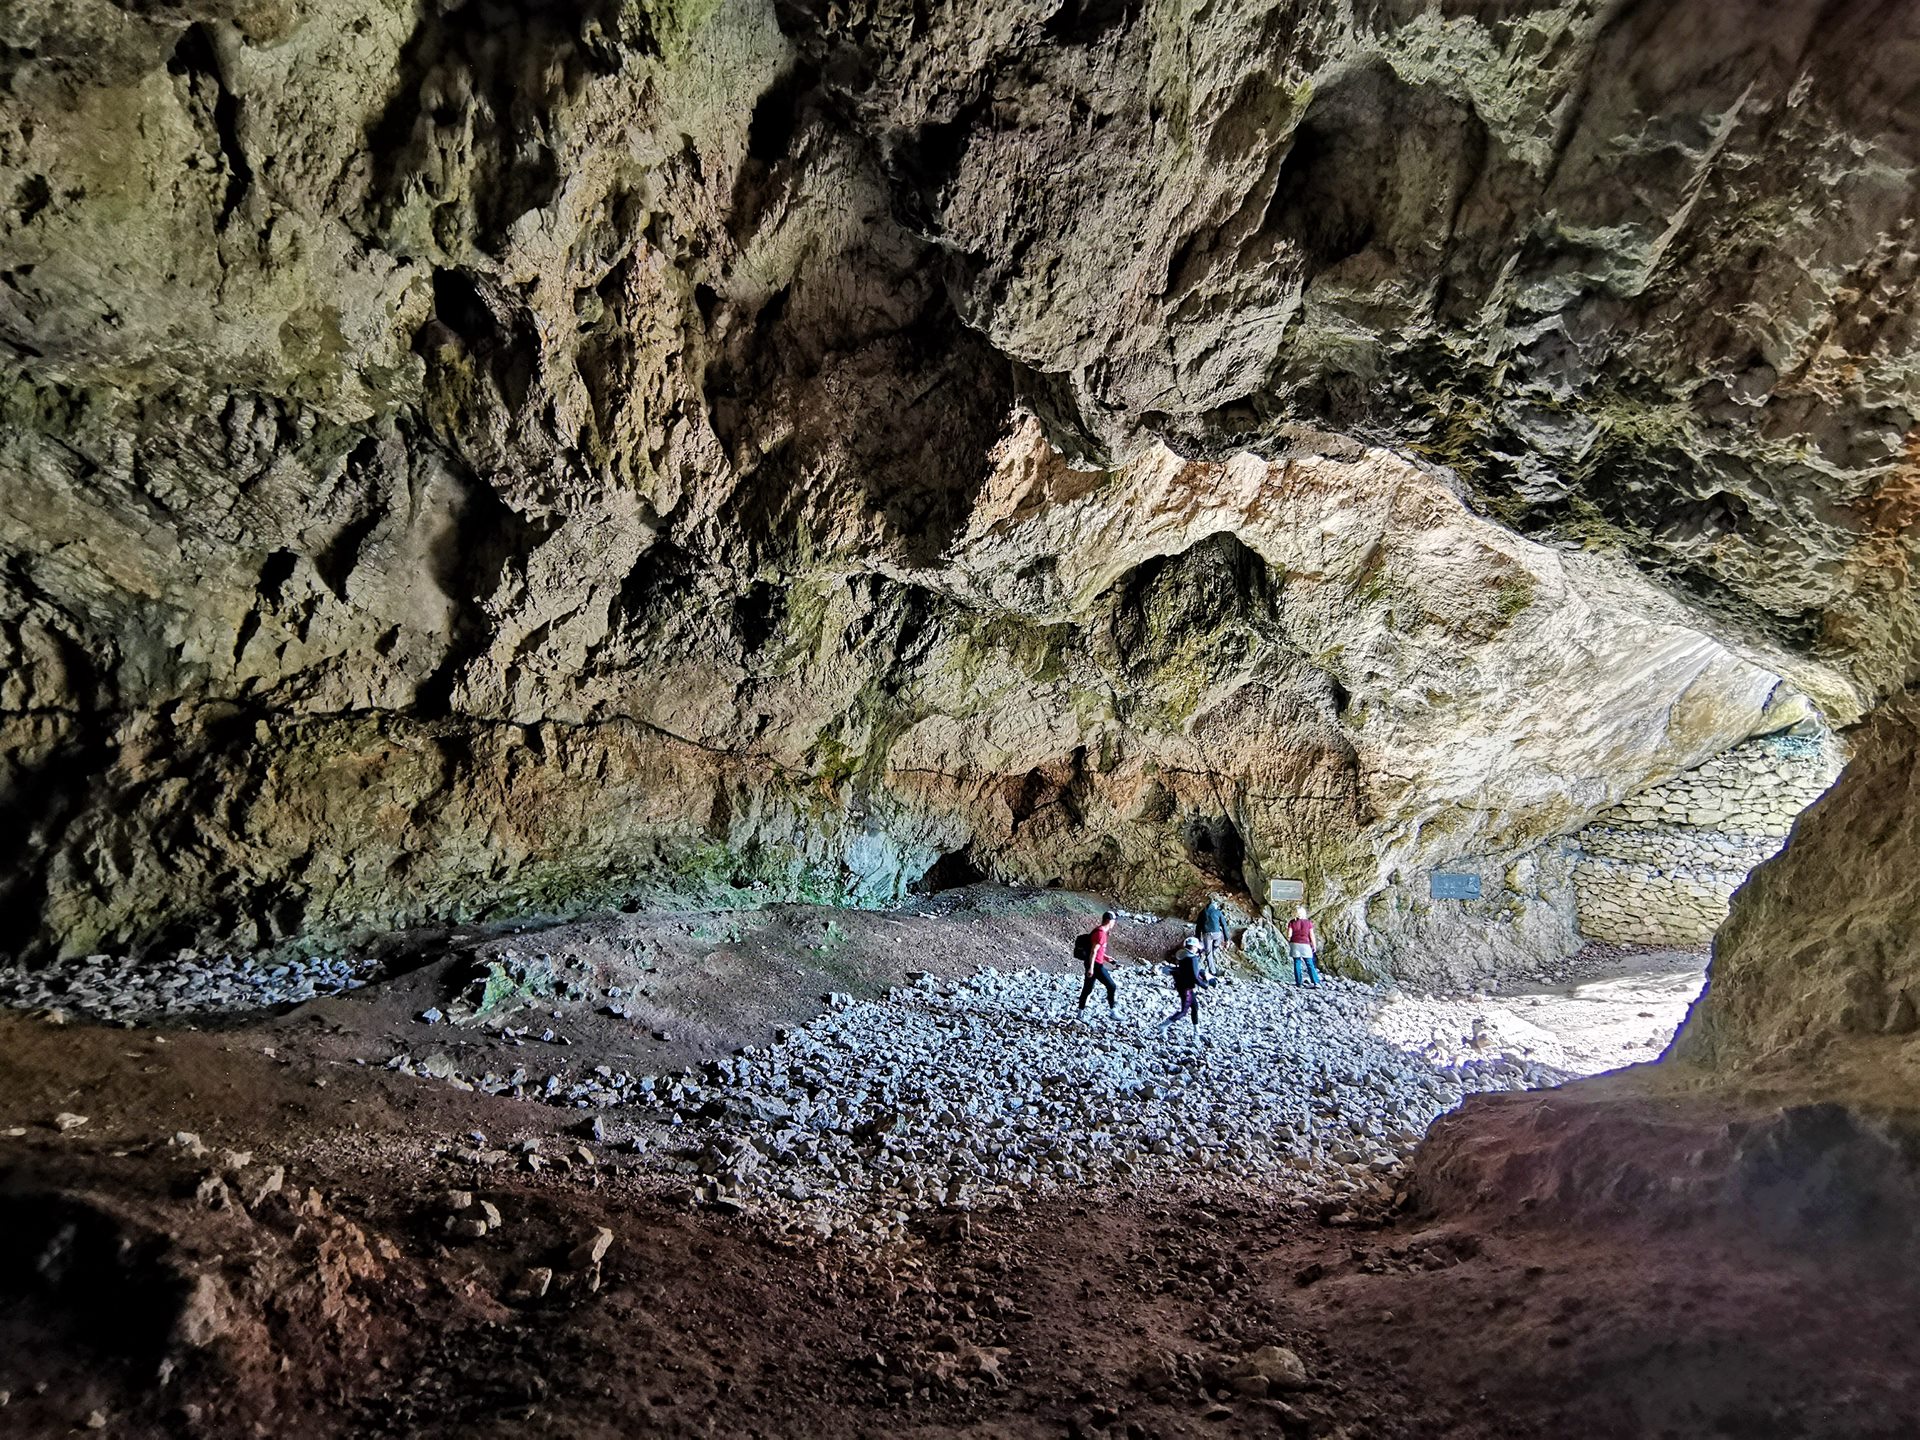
(1212, 934)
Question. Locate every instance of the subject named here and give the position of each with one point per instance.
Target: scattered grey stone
(257, 1185)
(118, 991)
(1270, 1368)
(991, 1090)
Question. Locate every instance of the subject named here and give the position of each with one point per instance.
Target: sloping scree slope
(286, 1262)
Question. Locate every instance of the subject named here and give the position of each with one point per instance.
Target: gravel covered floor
(349, 1221)
(967, 1089)
(989, 1089)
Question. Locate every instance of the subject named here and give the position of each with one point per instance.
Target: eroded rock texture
(1819, 959)
(477, 458)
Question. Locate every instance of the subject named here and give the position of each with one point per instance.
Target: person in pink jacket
(1301, 947)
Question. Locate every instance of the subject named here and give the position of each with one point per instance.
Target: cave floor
(248, 1236)
(1598, 1012)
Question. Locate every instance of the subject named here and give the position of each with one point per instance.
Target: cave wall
(488, 458)
(1524, 916)
(1323, 668)
(1819, 961)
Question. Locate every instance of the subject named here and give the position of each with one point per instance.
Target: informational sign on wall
(1286, 892)
(1445, 886)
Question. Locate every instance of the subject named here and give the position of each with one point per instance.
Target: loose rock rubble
(959, 1094)
(470, 1217)
(102, 987)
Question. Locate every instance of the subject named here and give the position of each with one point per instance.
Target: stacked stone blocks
(1661, 867)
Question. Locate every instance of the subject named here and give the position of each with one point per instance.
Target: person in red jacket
(1300, 946)
(1095, 961)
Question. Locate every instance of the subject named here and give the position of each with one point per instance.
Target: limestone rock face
(1638, 274)
(1819, 957)
(507, 458)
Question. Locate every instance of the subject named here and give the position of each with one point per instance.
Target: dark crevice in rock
(195, 55)
(30, 197)
(1084, 22)
(759, 615)
(923, 164)
(45, 788)
(777, 115)
(494, 328)
(1218, 849)
(487, 541)
(654, 591)
(336, 560)
(457, 304)
(952, 871)
(275, 571)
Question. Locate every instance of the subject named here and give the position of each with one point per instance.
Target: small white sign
(1285, 892)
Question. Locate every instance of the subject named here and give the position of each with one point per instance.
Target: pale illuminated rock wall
(1662, 867)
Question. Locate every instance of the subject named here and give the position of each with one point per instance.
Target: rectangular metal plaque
(1285, 892)
(1453, 887)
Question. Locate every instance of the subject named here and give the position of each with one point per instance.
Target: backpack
(1083, 947)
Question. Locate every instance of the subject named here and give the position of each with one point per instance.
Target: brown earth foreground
(1539, 1274)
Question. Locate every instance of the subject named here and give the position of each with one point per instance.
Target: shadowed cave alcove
(954, 870)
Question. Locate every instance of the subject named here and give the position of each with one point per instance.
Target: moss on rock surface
(469, 466)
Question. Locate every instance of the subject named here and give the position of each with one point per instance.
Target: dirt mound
(194, 1292)
(414, 1274)
(1652, 1149)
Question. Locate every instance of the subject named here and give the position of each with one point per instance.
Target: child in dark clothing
(1186, 983)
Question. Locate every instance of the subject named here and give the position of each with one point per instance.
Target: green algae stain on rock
(505, 983)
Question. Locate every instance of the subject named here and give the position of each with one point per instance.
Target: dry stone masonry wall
(1661, 868)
